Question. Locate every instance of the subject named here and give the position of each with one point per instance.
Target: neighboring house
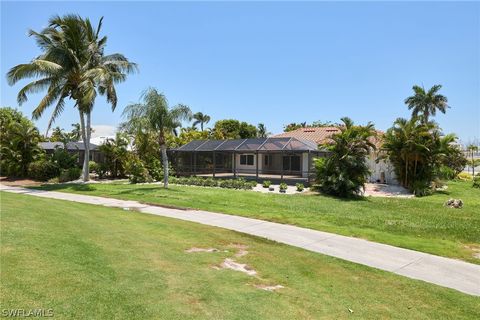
(381, 171)
(76, 148)
(289, 159)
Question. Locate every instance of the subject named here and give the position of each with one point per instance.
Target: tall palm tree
(154, 115)
(426, 103)
(262, 131)
(201, 119)
(72, 65)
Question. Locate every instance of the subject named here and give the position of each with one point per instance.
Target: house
(278, 158)
(381, 170)
(74, 148)
(284, 157)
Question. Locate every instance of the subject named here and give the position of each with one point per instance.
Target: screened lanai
(284, 159)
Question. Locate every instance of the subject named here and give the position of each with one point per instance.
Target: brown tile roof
(321, 135)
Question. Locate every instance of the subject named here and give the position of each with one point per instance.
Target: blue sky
(275, 62)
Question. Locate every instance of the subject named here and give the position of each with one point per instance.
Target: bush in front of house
(92, 166)
(300, 187)
(345, 171)
(464, 176)
(43, 170)
(70, 174)
(476, 182)
(138, 171)
(239, 183)
(283, 187)
(267, 183)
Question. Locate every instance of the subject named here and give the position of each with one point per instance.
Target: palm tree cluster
(345, 171)
(19, 143)
(417, 148)
(73, 66)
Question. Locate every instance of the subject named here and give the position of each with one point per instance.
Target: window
(246, 159)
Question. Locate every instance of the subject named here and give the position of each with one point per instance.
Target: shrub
(464, 176)
(283, 187)
(447, 173)
(210, 182)
(300, 187)
(476, 182)
(267, 184)
(422, 188)
(345, 171)
(70, 174)
(92, 166)
(64, 159)
(43, 170)
(138, 171)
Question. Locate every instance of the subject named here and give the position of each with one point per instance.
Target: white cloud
(103, 130)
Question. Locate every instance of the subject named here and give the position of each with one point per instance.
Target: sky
(273, 62)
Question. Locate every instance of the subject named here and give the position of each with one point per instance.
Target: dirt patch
(20, 182)
(194, 249)
(269, 288)
(241, 267)
(386, 190)
(241, 249)
(475, 250)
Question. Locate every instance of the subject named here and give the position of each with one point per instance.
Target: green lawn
(86, 262)
(421, 223)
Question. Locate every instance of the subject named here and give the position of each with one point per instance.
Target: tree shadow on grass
(64, 186)
(352, 198)
(147, 190)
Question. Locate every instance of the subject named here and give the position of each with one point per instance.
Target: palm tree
(154, 115)
(345, 171)
(262, 131)
(201, 119)
(426, 103)
(472, 149)
(21, 148)
(72, 65)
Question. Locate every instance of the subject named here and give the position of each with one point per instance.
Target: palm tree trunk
(86, 143)
(406, 172)
(163, 149)
(84, 138)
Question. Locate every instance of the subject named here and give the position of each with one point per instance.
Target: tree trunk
(163, 149)
(406, 173)
(86, 143)
(473, 166)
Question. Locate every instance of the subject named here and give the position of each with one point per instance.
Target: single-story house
(287, 159)
(74, 148)
(381, 171)
(284, 157)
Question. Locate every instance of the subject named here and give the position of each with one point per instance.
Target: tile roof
(318, 135)
(322, 135)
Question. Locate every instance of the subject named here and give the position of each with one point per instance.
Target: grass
(422, 224)
(85, 261)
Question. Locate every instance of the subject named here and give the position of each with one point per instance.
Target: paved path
(451, 273)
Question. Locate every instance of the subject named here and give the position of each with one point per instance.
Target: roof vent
(309, 130)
